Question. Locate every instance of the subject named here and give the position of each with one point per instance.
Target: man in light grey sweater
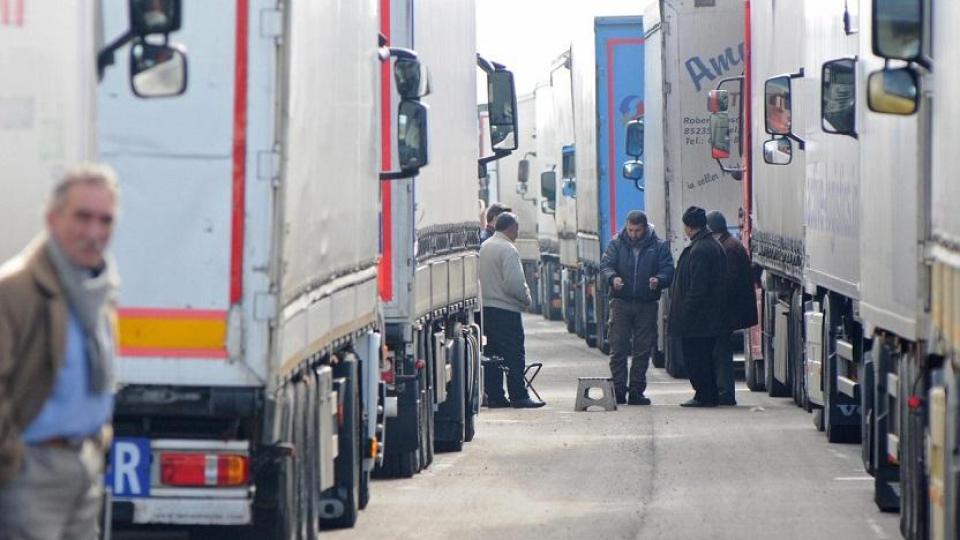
(505, 295)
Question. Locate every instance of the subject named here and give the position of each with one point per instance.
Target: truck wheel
(451, 416)
(340, 504)
(797, 348)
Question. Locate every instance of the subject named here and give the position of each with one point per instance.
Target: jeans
(633, 332)
(504, 332)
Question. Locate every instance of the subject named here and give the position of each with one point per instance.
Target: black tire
(449, 435)
(364, 489)
(348, 464)
(797, 356)
(272, 518)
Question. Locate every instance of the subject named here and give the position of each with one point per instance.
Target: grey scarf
(88, 296)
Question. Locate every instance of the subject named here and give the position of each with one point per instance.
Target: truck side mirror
(635, 137)
(569, 167)
(720, 135)
(898, 29)
(779, 114)
(154, 16)
(718, 101)
(548, 190)
(893, 91)
(838, 91)
(412, 78)
(778, 151)
(633, 170)
(412, 141)
(157, 70)
(523, 171)
(502, 96)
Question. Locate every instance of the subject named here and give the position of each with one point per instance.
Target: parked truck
(911, 305)
(690, 47)
(429, 283)
(49, 99)
(519, 188)
(250, 327)
(606, 81)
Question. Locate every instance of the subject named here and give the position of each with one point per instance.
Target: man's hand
(617, 283)
(654, 283)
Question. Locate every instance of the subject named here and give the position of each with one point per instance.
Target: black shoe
(621, 398)
(727, 402)
(636, 398)
(526, 403)
(497, 403)
(695, 403)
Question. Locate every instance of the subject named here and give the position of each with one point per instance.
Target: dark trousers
(723, 363)
(633, 332)
(504, 332)
(699, 359)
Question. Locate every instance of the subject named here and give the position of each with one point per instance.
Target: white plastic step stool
(608, 401)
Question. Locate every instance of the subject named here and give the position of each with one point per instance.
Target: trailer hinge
(264, 306)
(268, 165)
(271, 23)
(666, 87)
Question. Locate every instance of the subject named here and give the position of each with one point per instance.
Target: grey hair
(505, 221)
(91, 174)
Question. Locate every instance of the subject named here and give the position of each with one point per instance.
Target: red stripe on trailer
(5, 12)
(239, 153)
(611, 131)
(386, 197)
(20, 13)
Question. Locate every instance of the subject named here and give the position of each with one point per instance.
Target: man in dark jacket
(493, 212)
(697, 311)
(741, 303)
(636, 266)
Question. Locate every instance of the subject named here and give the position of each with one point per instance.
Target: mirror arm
(485, 64)
(801, 144)
(399, 175)
(105, 55)
(497, 154)
(735, 172)
(404, 53)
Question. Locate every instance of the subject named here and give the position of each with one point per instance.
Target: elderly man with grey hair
(505, 294)
(57, 346)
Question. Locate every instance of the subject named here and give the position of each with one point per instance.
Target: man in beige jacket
(57, 340)
(505, 295)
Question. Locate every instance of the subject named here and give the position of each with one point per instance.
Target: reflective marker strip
(175, 333)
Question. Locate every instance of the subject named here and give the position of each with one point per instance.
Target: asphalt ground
(757, 470)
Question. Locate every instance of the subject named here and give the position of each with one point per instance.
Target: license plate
(128, 471)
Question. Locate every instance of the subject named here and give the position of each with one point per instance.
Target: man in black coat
(741, 303)
(636, 266)
(697, 311)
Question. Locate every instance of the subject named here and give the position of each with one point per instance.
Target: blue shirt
(72, 410)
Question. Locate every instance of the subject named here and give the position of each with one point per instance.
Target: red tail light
(177, 469)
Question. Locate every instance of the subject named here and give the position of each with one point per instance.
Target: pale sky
(527, 35)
